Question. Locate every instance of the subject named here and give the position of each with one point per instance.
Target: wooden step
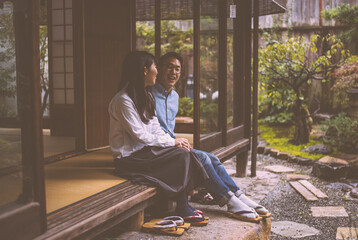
(105, 209)
(303, 191)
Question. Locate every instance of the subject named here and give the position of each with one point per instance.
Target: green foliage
(44, 67)
(209, 116)
(346, 15)
(286, 73)
(7, 55)
(278, 137)
(172, 38)
(342, 132)
(345, 77)
(186, 107)
(284, 118)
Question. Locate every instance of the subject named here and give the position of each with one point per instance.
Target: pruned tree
(286, 67)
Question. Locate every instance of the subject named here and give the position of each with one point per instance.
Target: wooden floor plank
(303, 191)
(313, 189)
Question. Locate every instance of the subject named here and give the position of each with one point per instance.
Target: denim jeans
(219, 183)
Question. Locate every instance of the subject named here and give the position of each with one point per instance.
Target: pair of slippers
(172, 225)
(261, 211)
(197, 219)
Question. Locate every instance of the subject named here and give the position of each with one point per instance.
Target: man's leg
(222, 173)
(225, 196)
(227, 180)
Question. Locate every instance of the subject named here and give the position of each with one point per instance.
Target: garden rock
(329, 171)
(353, 170)
(340, 186)
(267, 150)
(318, 149)
(354, 193)
(333, 161)
(283, 156)
(304, 161)
(260, 149)
(274, 152)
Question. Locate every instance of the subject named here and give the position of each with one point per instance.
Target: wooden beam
(78, 72)
(313, 189)
(303, 191)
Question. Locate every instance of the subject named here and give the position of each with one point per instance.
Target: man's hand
(182, 142)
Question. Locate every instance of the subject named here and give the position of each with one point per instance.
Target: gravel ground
(286, 204)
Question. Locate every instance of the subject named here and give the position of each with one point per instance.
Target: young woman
(143, 152)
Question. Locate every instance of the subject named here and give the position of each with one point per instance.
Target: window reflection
(209, 55)
(230, 76)
(10, 138)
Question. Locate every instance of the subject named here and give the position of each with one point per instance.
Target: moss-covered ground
(278, 137)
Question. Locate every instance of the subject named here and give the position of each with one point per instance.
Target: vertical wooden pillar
(196, 59)
(136, 221)
(223, 69)
(241, 163)
(157, 29)
(255, 89)
(26, 21)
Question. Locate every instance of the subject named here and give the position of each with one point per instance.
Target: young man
(220, 184)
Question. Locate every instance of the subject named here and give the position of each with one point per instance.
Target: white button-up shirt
(127, 132)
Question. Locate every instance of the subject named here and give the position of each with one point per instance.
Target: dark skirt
(174, 170)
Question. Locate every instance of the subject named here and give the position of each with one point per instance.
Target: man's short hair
(168, 55)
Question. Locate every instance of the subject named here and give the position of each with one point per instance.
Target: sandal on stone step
(239, 215)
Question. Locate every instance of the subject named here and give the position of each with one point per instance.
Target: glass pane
(145, 27)
(57, 17)
(177, 36)
(58, 65)
(230, 77)
(10, 130)
(69, 33)
(59, 96)
(59, 80)
(57, 49)
(57, 4)
(58, 33)
(209, 55)
(69, 64)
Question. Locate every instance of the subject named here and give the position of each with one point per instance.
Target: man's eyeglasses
(175, 68)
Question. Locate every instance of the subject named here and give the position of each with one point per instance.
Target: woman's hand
(182, 142)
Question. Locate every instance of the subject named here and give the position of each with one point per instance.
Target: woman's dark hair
(133, 80)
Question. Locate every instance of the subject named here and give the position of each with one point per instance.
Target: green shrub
(186, 107)
(342, 132)
(284, 118)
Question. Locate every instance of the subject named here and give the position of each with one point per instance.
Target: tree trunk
(302, 130)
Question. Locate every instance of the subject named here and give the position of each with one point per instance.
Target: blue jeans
(219, 183)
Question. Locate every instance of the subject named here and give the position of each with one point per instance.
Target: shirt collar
(162, 90)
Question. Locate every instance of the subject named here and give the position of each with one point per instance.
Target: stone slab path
(293, 229)
(344, 233)
(329, 212)
(279, 169)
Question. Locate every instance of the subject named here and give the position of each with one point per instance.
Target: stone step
(220, 227)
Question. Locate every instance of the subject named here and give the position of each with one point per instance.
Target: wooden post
(196, 60)
(255, 90)
(241, 164)
(136, 221)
